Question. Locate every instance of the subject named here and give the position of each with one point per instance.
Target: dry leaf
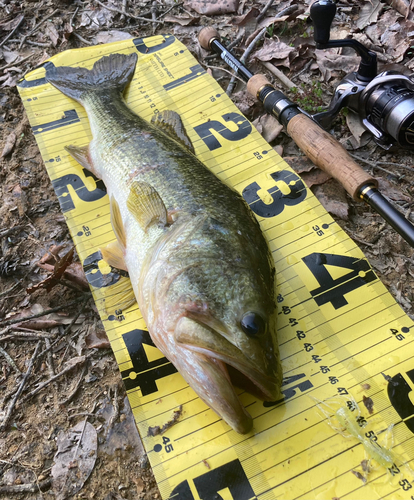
(333, 198)
(110, 36)
(9, 144)
(329, 60)
(97, 338)
(52, 33)
(268, 126)
(58, 270)
(74, 460)
(182, 20)
(213, 7)
(369, 13)
(275, 51)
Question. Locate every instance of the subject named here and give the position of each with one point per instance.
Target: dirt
(31, 223)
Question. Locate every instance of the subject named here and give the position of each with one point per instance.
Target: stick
(12, 32)
(16, 63)
(37, 26)
(52, 379)
(253, 43)
(125, 13)
(44, 313)
(281, 76)
(26, 488)
(10, 360)
(154, 15)
(75, 390)
(20, 389)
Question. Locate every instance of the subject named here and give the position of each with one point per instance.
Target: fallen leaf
(391, 191)
(300, 164)
(110, 36)
(369, 13)
(358, 131)
(74, 459)
(182, 20)
(329, 60)
(58, 270)
(213, 7)
(315, 177)
(278, 52)
(52, 33)
(97, 338)
(9, 144)
(268, 126)
(333, 198)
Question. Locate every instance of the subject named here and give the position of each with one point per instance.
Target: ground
(32, 227)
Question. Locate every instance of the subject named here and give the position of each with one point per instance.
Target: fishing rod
(317, 144)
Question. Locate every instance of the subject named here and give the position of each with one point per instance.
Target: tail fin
(108, 73)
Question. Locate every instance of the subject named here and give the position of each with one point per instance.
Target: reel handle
(322, 13)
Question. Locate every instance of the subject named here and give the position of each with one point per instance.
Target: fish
(199, 265)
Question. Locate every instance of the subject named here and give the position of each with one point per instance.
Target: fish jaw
(209, 378)
(262, 378)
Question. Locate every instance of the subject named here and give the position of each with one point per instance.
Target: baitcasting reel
(383, 102)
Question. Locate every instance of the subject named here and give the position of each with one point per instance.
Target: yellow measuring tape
(341, 334)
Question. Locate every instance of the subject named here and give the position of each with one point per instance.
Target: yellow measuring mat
(341, 334)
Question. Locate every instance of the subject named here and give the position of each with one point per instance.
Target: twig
(253, 43)
(26, 488)
(154, 15)
(12, 32)
(73, 17)
(400, 165)
(374, 164)
(75, 390)
(222, 69)
(49, 359)
(65, 331)
(281, 76)
(20, 389)
(125, 13)
(116, 409)
(171, 8)
(6, 232)
(10, 360)
(16, 63)
(37, 27)
(44, 313)
(37, 44)
(123, 8)
(81, 39)
(52, 379)
(263, 11)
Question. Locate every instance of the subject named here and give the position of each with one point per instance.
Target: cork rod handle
(329, 155)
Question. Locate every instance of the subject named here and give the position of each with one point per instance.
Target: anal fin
(146, 205)
(113, 254)
(170, 123)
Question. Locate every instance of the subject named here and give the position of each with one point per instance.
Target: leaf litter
(34, 236)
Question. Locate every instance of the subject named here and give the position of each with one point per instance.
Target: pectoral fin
(82, 156)
(120, 296)
(116, 221)
(113, 254)
(170, 123)
(146, 205)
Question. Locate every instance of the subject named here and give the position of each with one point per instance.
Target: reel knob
(322, 13)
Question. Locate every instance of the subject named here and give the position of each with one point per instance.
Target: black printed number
(167, 444)
(334, 290)
(204, 130)
(296, 193)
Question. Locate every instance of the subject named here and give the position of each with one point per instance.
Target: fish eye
(253, 324)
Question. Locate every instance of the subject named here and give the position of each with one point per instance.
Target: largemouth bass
(199, 265)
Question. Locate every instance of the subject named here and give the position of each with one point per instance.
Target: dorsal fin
(170, 122)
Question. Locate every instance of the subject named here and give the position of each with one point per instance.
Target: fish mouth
(224, 367)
